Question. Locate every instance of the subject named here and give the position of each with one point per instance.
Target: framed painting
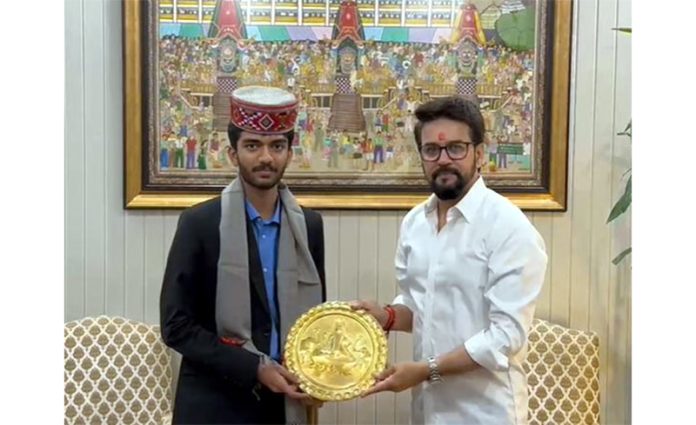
(359, 69)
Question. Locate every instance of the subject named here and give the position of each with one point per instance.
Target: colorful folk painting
(360, 69)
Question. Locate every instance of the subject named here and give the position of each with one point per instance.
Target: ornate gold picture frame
(358, 81)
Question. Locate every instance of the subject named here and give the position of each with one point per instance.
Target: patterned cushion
(117, 371)
(563, 375)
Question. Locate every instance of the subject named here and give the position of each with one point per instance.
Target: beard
(448, 191)
(254, 180)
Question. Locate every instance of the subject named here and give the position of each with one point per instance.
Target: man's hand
(399, 377)
(276, 378)
(372, 307)
(279, 380)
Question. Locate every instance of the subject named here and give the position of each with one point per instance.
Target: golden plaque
(336, 351)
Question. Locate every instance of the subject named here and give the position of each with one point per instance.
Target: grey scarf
(297, 279)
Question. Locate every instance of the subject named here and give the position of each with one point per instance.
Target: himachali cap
(267, 110)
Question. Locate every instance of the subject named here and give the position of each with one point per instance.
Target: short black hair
(456, 108)
(234, 133)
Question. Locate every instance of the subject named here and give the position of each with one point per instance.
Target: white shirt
(473, 284)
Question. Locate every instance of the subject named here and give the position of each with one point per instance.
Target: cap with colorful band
(266, 110)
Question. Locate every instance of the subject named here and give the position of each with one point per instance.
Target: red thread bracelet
(391, 313)
(232, 342)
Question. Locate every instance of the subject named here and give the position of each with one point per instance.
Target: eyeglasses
(455, 150)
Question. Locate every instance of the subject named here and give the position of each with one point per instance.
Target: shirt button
(265, 270)
(263, 236)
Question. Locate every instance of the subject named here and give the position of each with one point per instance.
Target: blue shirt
(266, 233)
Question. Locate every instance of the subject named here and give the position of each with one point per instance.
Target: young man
(470, 266)
(241, 269)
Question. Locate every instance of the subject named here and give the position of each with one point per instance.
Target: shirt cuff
(482, 350)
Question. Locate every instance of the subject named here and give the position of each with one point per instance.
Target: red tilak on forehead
(441, 136)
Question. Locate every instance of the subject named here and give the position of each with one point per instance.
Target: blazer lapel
(255, 275)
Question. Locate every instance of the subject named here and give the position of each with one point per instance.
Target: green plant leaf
(622, 204)
(621, 256)
(628, 131)
(516, 29)
(623, 29)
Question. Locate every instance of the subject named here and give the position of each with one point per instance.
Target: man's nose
(265, 154)
(444, 158)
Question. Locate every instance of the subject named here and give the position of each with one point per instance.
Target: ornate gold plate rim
(375, 332)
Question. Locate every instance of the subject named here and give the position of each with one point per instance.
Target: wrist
(264, 361)
(423, 370)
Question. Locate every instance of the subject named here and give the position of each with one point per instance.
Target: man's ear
(480, 155)
(232, 155)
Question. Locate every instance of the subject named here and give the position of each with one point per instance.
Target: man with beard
(241, 269)
(470, 267)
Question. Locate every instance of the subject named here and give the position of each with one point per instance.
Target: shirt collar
(430, 204)
(253, 214)
(468, 205)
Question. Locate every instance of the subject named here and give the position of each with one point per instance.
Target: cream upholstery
(563, 375)
(117, 371)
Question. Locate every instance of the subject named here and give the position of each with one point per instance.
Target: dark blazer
(216, 381)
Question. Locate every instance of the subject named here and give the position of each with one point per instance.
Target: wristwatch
(434, 376)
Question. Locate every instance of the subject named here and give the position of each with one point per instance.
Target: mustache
(264, 168)
(439, 171)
